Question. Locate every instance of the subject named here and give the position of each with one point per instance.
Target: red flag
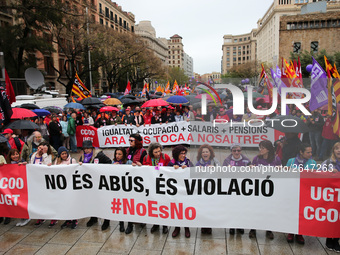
(9, 89)
(128, 88)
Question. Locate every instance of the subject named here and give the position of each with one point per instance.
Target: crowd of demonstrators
(60, 131)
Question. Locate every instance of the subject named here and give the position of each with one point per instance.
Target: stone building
(238, 49)
(177, 56)
(311, 32)
(268, 37)
(156, 45)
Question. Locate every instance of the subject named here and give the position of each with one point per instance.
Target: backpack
(17, 143)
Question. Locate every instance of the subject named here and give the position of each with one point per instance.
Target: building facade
(188, 65)
(104, 12)
(238, 49)
(177, 56)
(268, 34)
(210, 78)
(156, 45)
(309, 32)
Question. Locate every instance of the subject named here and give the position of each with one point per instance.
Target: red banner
(84, 133)
(13, 191)
(319, 204)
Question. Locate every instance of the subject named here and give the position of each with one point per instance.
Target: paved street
(83, 240)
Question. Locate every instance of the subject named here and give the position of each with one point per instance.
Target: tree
(70, 38)
(176, 73)
(237, 73)
(19, 41)
(124, 56)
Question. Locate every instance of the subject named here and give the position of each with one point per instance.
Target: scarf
(236, 159)
(182, 163)
(300, 161)
(87, 157)
(337, 165)
(155, 161)
(205, 163)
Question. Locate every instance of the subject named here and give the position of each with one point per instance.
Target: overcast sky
(202, 24)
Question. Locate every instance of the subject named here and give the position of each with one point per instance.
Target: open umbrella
(129, 101)
(75, 106)
(128, 96)
(53, 109)
(20, 113)
(177, 100)
(288, 124)
(29, 106)
(200, 96)
(264, 99)
(91, 101)
(108, 109)
(155, 103)
(41, 112)
(254, 94)
(23, 124)
(112, 101)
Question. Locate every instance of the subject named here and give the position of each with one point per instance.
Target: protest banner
(173, 198)
(84, 133)
(192, 133)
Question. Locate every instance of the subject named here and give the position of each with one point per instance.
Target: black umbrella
(129, 101)
(128, 96)
(94, 106)
(91, 101)
(23, 124)
(288, 124)
(30, 106)
(3, 139)
(53, 109)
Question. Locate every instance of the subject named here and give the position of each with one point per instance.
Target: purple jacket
(260, 161)
(243, 162)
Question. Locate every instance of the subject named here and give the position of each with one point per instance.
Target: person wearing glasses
(180, 160)
(236, 158)
(266, 157)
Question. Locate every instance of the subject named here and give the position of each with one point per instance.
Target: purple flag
(278, 71)
(319, 92)
(277, 81)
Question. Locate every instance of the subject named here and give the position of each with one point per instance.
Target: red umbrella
(20, 113)
(155, 103)
(200, 96)
(264, 99)
(108, 109)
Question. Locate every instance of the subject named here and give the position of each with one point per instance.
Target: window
(111, 15)
(101, 21)
(239, 53)
(239, 59)
(124, 24)
(100, 8)
(48, 62)
(235, 40)
(314, 46)
(120, 21)
(239, 48)
(228, 48)
(107, 12)
(297, 47)
(228, 54)
(305, 25)
(234, 59)
(228, 59)
(234, 48)
(240, 40)
(116, 18)
(234, 53)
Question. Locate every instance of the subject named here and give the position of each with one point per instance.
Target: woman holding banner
(156, 158)
(136, 153)
(236, 158)
(92, 156)
(206, 158)
(180, 160)
(64, 158)
(333, 163)
(119, 158)
(266, 157)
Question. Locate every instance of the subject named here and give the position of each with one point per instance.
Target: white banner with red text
(193, 133)
(304, 204)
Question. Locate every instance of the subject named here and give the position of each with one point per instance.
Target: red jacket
(13, 145)
(165, 159)
(327, 131)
